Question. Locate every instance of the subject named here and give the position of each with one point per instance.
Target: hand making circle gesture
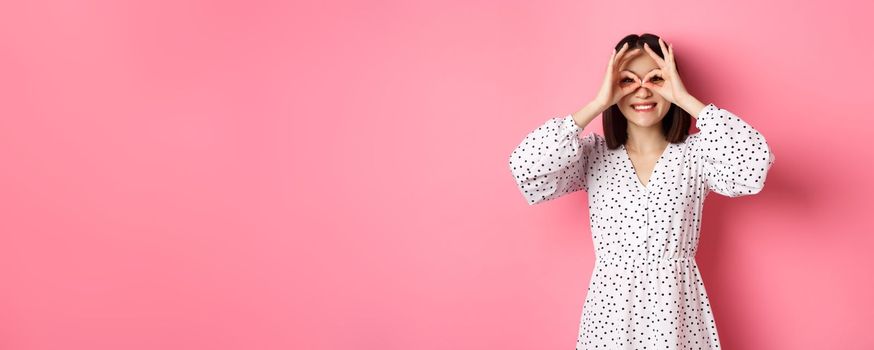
(611, 89)
(671, 86)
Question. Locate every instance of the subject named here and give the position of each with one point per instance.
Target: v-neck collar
(655, 167)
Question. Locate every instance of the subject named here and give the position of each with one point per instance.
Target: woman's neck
(645, 140)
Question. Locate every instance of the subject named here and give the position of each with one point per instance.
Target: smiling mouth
(643, 107)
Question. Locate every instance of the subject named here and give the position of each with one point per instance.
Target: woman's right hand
(614, 88)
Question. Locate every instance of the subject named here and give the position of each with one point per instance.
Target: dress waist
(616, 258)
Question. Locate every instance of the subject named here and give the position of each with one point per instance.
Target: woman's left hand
(671, 87)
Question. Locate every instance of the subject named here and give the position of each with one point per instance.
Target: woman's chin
(645, 121)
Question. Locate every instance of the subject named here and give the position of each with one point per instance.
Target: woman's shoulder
(593, 136)
(594, 141)
(690, 143)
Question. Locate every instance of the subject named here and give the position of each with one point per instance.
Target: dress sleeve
(552, 160)
(734, 156)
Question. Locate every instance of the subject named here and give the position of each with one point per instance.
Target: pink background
(275, 175)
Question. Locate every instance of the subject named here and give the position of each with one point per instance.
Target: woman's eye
(626, 80)
(656, 78)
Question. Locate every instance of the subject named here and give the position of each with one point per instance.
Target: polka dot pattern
(646, 291)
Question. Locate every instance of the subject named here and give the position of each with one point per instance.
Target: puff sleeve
(734, 157)
(552, 160)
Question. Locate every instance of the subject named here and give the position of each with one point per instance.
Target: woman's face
(640, 65)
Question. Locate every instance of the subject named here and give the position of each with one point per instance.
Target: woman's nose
(642, 91)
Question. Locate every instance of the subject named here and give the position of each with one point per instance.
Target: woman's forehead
(640, 65)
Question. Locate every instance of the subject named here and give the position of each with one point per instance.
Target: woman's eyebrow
(629, 70)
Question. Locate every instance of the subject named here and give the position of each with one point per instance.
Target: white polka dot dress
(646, 291)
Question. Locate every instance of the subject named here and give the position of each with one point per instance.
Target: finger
(622, 49)
(629, 55)
(659, 60)
(627, 82)
(653, 73)
(610, 61)
(635, 80)
(663, 46)
(627, 74)
(630, 88)
(615, 55)
(653, 87)
(669, 52)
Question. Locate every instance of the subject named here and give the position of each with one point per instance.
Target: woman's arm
(691, 105)
(735, 157)
(552, 160)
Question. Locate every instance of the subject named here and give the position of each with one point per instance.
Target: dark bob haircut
(675, 124)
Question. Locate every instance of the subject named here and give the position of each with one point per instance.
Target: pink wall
(259, 175)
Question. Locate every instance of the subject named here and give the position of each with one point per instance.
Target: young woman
(646, 181)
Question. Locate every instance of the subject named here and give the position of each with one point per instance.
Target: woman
(646, 181)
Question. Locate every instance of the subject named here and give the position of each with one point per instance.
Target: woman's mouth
(643, 108)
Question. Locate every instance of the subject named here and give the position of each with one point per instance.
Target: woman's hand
(669, 86)
(614, 88)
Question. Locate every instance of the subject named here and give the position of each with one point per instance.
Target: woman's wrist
(690, 104)
(585, 115)
(597, 106)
